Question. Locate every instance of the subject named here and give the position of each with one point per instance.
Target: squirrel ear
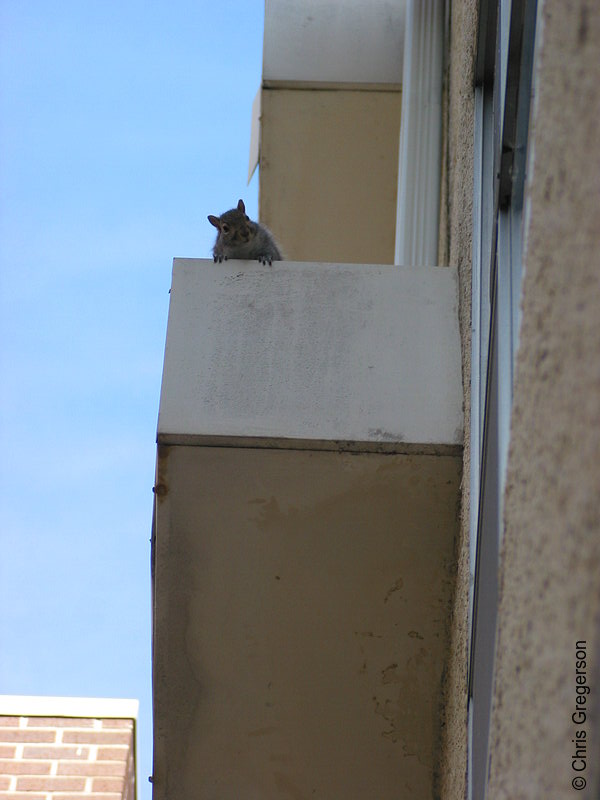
(241, 207)
(214, 221)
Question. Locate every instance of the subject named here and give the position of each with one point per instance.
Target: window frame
(503, 97)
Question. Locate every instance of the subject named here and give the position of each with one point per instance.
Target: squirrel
(239, 237)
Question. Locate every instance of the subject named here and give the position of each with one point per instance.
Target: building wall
(550, 560)
(329, 172)
(64, 758)
(303, 610)
(456, 241)
(344, 210)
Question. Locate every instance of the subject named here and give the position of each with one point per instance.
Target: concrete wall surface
(318, 41)
(300, 622)
(550, 560)
(339, 354)
(456, 241)
(329, 173)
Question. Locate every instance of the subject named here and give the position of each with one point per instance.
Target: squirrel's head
(234, 226)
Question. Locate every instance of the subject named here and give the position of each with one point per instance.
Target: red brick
(4, 783)
(112, 754)
(13, 767)
(53, 752)
(107, 785)
(6, 751)
(51, 784)
(9, 722)
(97, 737)
(91, 768)
(60, 722)
(117, 723)
(8, 735)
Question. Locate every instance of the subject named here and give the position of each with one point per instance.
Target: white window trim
(420, 155)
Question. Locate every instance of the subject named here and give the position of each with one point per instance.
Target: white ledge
(75, 707)
(297, 355)
(317, 41)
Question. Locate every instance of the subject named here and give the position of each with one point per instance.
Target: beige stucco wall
(456, 241)
(329, 172)
(550, 569)
(301, 605)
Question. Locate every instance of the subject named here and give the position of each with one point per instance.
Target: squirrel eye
(225, 228)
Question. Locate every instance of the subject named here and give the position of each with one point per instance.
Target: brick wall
(66, 758)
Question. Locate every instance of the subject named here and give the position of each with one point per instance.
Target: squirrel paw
(219, 258)
(265, 260)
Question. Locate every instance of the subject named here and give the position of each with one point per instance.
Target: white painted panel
(351, 41)
(255, 135)
(312, 352)
(419, 162)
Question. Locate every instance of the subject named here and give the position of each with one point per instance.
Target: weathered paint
(363, 355)
(301, 605)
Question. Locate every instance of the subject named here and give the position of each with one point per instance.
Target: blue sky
(122, 125)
